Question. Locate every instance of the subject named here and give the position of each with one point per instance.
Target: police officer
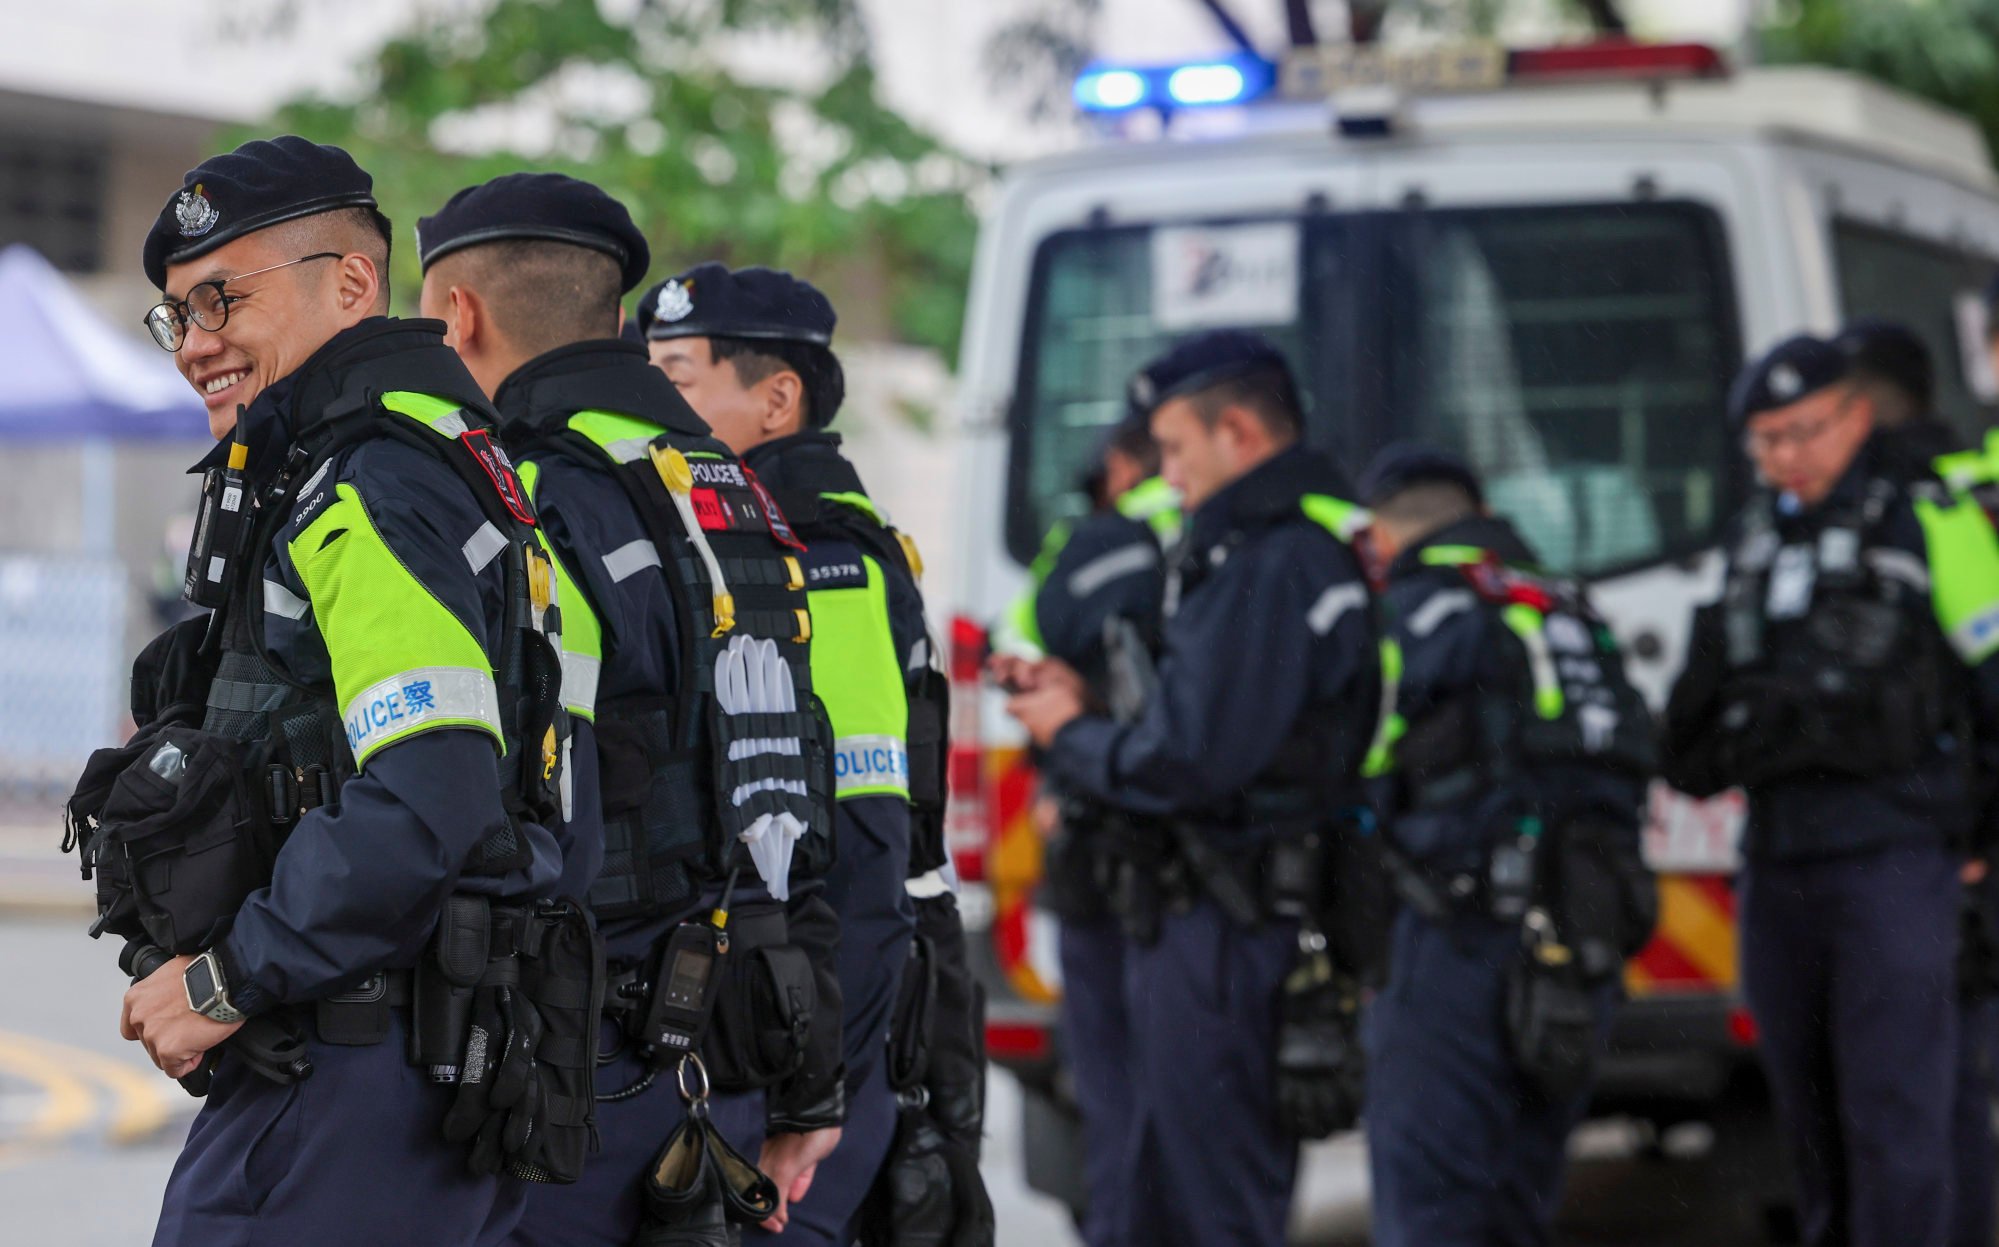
(750, 350)
(1267, 697)
(361, 649)
(1894, 366)
(1513, 807)
(526, 271)
(1105, 570)
(1845, 680)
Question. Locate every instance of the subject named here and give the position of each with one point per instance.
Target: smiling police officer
(1846, 680)
(376, 695)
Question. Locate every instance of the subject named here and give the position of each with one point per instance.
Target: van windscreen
(1578, 355)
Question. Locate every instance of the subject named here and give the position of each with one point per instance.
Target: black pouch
(1077, 867)
(357, 1017)
(1551, 1022)
(99, 860)
(654, 814)
(193, 835)
(174, 670)
(1360, 897)
(1608, 900)
(909, 1024)
(763, 1017)
(562, 979)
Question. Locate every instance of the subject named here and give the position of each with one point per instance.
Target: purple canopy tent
(71, 376)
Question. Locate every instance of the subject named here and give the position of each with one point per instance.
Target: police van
(1552, 261)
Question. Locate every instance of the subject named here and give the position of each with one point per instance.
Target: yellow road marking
(67, 1104)
(143, 1101)
(140, 1103)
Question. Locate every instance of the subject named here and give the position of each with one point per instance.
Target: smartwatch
(207, 994)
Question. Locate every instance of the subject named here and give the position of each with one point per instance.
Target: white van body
(1569, 276)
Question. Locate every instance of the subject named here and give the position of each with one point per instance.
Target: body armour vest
(304, 742)
(1319, 768)
(891, 719)
(1561, 696)
(1832, 666)
(685, 775)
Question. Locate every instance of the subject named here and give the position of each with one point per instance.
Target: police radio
(220, 526)
(684, 986)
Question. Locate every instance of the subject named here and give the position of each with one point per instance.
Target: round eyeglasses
(207, 305)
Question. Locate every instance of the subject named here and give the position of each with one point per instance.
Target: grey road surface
(88, 1132)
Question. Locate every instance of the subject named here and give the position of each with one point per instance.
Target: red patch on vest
(710, 511)
(780, 527)
(500, 471)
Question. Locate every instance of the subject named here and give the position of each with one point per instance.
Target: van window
(1921, 284)
(1090, 327)
(1579, 355)
(1581, 358)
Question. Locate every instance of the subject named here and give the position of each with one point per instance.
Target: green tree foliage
(1946, 51)
(688, 112)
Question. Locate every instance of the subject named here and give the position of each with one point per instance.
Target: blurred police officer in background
(1514, 807)
(1845, 681)
(377, 702)
(1895, 367)
(751, 352)
(526, 271)
(1246, 746)
(1103, 571)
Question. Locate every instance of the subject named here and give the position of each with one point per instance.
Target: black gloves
(1320, 1069)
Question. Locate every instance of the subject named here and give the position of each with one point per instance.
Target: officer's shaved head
(1266, 391)
(347, 231)
(540, 295)
(1423, 507)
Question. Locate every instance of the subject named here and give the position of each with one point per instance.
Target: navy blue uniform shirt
(1272, 620)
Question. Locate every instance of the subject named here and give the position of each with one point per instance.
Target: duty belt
(628, 980)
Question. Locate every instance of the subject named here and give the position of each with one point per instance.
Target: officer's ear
(784, 403)
(359, 288)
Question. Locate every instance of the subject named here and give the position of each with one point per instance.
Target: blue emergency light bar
(1199, 84)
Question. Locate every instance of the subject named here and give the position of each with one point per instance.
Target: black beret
(260, 184)
(1400, 465)
(1197, 362)
(549, 207)
(1890, 349)
(709, 301)
(1791, 370)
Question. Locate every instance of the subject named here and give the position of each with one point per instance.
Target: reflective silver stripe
(279, 600)
(930, 884)
(628, 449)
(1116, 565)
(579, 682)
(870, 762)
(631, 558)
(482, 547)
(1334, 603)
(1431, 615)
(919, 654)
(312, 482)
(452, 424)
(393, 708)
(1900, 565)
